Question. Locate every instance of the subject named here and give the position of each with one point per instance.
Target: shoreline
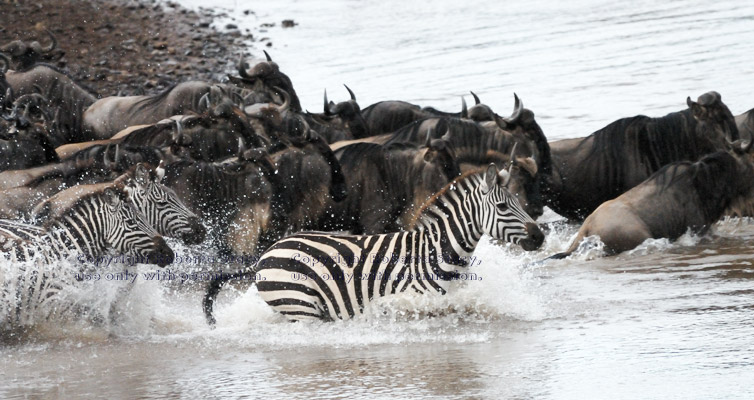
(128, 47)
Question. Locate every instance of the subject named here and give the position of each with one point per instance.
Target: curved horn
(118, 155)
(105, 161)
(286, 100)
(464, 109)
(6, 63)
(429, 138)
(53, 42)
(327, 109)
(353, 96)
(476, 98)
(269, 59)
(202, 100)
(238, 97)
(513, 156)
(241, 148)
(242, 69)
(518, 107)
(746, 146)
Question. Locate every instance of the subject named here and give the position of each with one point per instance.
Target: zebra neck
(66, 238)
(450, 221)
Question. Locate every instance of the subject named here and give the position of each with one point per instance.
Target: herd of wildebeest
(253, 166)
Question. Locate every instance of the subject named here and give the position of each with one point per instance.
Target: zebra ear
(160, 171)
(505, 178)
(490, 179)
(112, 197)
(141, 175)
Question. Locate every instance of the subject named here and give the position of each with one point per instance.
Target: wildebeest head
(479, 112)
(440, 152)
(264, 77)
(713, 116)
(527, 131)
(347, 115)
(26, 55)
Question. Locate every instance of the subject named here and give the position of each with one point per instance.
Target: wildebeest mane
(651, 142)
(469, 140)
(150, 101)
(711, 179)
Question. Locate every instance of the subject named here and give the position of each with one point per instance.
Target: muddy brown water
(665, 321)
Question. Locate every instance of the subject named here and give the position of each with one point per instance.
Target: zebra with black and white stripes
(319, 275)
(84, 222)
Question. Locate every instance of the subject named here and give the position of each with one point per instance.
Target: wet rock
(289, 23)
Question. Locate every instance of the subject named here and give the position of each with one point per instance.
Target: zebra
(330, 276)
(85, 221)
(162, 207)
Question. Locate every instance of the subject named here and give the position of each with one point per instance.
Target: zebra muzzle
(162, 254)
(196, 233)
(534, 239)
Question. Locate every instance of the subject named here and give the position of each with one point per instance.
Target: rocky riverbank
(127, 47)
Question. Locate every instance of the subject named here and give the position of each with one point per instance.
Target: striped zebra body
(330, 276)
(87, 221)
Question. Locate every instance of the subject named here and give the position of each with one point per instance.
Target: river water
(665, 321)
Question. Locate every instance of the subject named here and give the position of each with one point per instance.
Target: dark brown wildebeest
(64, 96)
(236, 198)
(110, 115)
(389, 116)
(341, 121)
(679, 197)
(26, 55)
(24, 139)
(259, 83)
(586, 172)
(477, 145)
(387, 184)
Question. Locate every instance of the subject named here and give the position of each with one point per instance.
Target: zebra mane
(443, 191)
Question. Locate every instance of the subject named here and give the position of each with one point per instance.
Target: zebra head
(501, 214)
(162, 207)
(127, 231)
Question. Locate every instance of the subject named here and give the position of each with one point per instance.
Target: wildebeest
(25, 55)
(109, 115)
(389, 116)
(679, 197)
(387, 184)
(341, 121)
(24, 140)
(235, 197)
(589, 171)
(476, 145)
(66, 97)
(259, 83)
